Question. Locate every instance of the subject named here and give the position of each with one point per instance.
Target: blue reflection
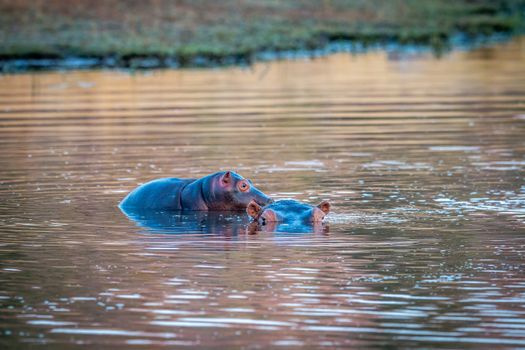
(211, 222)
(293, 228)
(192, 222)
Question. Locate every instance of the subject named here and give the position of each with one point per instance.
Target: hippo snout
(264, 200)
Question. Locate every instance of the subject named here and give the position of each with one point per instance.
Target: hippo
(221, 191)
(287, 215)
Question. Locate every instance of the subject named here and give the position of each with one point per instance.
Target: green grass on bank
(216, 30)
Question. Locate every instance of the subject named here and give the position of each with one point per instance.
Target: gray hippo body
(221, 191)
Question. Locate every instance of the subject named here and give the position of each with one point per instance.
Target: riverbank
(157, 33)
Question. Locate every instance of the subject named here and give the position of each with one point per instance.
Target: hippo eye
(244, 186)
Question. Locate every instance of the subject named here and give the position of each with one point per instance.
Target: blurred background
(162, 33)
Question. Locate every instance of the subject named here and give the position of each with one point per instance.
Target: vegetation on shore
(200, 32)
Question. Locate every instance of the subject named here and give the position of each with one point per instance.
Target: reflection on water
(190, 222)
(289, 228)
(423, 161)
(217, 223)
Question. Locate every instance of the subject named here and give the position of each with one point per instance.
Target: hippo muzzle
(289, 214)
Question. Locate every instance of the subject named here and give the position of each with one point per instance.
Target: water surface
(423, 160)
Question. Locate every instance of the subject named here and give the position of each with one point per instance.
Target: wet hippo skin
(221, 191)
(287, 215)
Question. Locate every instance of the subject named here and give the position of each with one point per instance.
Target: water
(423, 160)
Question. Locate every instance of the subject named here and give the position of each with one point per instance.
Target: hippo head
(231, 191)
(288, 214)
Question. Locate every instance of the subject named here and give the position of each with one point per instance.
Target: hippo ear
(253, 209)
(324, 206)
(226, 178)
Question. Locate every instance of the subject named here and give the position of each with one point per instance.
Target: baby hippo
(220, 191)
(288, 215)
